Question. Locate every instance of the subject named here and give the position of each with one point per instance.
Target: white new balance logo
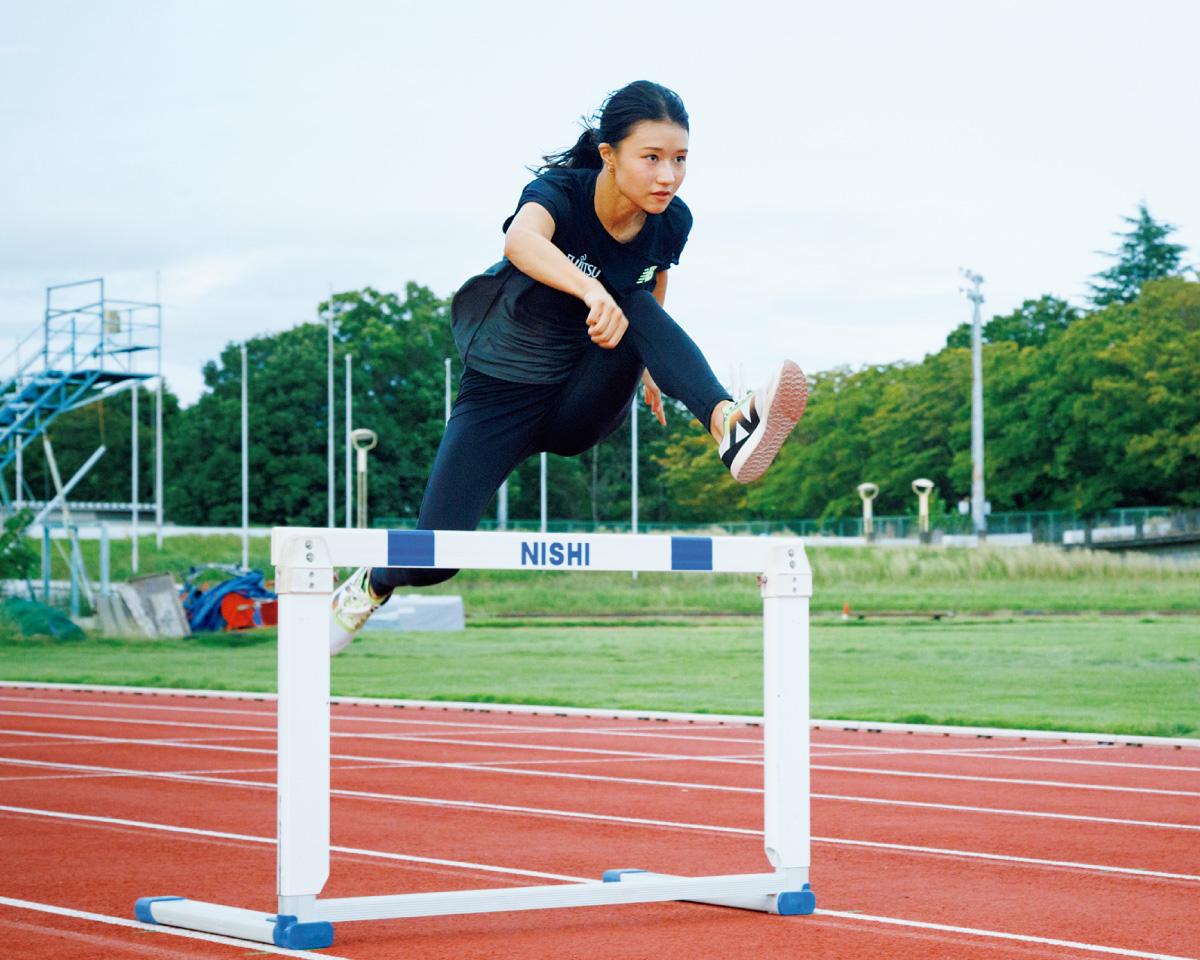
(647, 275)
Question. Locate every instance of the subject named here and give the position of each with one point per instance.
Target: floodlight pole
(133, 482)
(329, 403)
(978, 516)
(245, 466)
(158, 421)
(349, 421)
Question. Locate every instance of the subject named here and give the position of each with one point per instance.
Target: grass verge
(1134, 676)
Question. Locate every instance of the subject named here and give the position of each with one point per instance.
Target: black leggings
(495, 424)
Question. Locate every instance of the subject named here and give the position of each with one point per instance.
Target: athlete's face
(650, 163)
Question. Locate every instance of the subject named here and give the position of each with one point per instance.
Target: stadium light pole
(245, 465)
(349, 426)
(329, 519)
(133, 471)
(978, 503)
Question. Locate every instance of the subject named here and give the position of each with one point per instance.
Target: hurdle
(305, 559)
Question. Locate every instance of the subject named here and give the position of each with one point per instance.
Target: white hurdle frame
(305, 560)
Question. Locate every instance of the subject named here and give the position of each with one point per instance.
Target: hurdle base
(276, 929)
(786, 903)
(765, 892)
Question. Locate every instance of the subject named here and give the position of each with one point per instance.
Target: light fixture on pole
(868, 492)
(363, 440)
(923, 488)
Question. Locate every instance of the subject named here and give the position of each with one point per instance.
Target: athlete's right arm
(528, 246)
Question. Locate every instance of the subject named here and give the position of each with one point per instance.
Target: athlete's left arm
(650, 389)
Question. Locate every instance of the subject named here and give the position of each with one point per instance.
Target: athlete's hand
(606, 321)
(653, 395)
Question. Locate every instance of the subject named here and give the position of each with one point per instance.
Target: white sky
(846, 159)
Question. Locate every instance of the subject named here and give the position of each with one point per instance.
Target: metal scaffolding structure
(88, 347)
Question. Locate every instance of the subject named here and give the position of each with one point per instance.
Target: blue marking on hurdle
(614, 876)
(290, 933)
(141, 909)
(410, 548)
(691, 553)
(797, 903)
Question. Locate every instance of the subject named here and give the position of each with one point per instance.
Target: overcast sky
(846, 159)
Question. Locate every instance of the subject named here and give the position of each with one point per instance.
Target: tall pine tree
(1145, 254)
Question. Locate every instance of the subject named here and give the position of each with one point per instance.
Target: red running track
(924, 846)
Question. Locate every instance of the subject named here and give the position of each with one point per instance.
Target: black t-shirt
(542, 339)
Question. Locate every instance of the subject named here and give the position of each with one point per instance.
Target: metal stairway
(85, 349)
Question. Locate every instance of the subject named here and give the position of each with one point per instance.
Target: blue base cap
(294, 935)
(141, 909)
(614, 876)
(795, 903)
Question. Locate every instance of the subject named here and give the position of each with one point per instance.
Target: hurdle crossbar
(305, 559)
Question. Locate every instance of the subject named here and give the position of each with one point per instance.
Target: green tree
(76, 435)
(1126, 413)
(1033, 324)
(1145, 254)
(398, 347)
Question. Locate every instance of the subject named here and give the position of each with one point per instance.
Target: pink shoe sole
(784, 406)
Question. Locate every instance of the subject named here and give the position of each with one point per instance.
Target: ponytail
(622, 110)
(584, 154)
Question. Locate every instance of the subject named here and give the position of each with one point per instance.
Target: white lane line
(506, 808)
(1006, 858)
(1066, 784)
(976, 754)
(182, 743)
(983, 753)
(158, 928)
(831, 841)
(496, 765)
(270, 841)
(865, 751)
(393, 738)
(1075, 817)
(866, 918)
(605, 713)
(1000, 935)
(403, 721)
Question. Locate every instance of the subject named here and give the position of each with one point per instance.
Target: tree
(1033, 324)
(398, 347)
(76, 435)
(1145, 254)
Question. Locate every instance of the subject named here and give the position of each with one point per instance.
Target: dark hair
(621, 111)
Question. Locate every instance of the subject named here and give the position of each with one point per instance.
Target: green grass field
(1125, 675)
(1038, 638)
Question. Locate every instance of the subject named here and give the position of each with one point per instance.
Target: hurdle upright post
(304, 583)
(786, 589)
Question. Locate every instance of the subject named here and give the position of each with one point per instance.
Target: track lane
(857, 866)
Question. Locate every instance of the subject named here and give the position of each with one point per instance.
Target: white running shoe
(757, 425)
(353, 603)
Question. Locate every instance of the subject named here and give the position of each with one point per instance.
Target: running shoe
(757, 425)
(353, 603)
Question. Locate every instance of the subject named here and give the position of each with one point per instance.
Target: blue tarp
(203, 608)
